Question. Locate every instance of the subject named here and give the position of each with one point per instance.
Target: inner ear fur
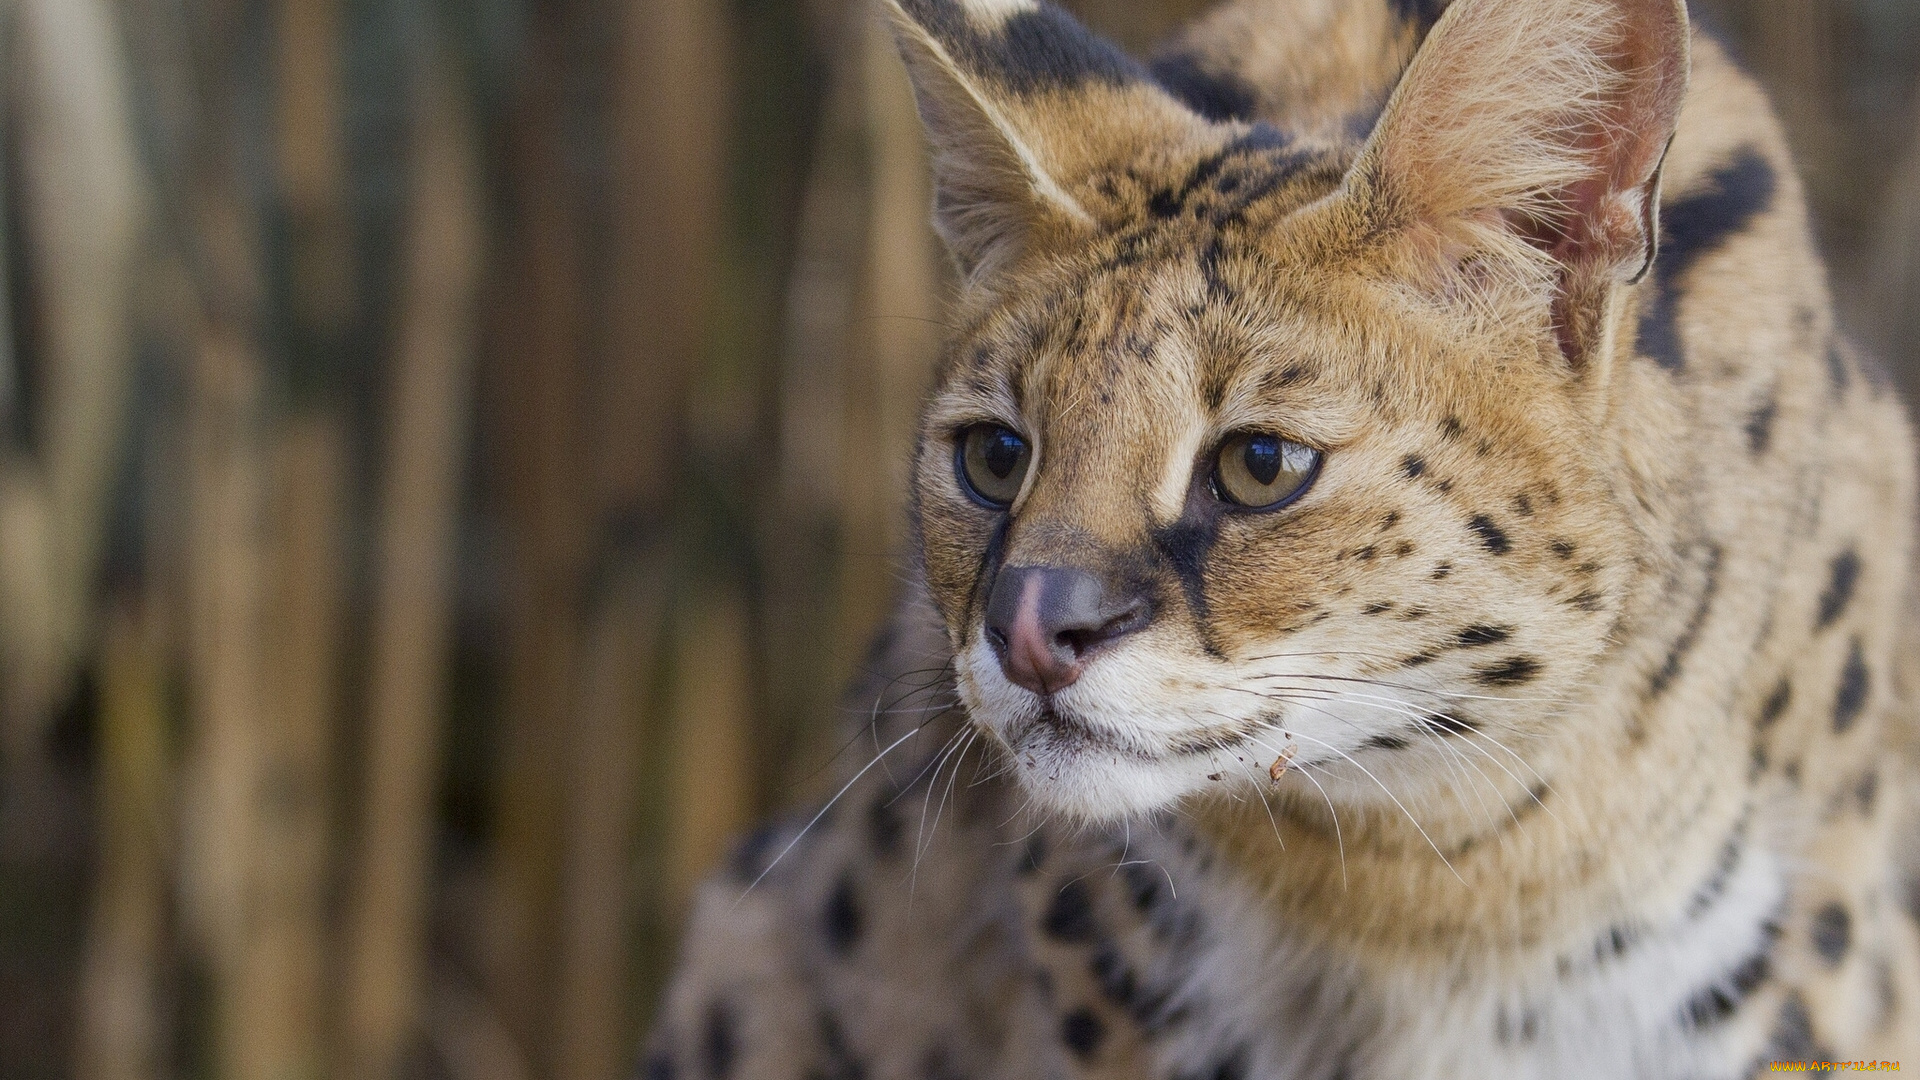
(1525, 141)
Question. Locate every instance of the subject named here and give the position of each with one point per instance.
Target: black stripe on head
(1219, 96)
(1031, 52)
(1718, 1002)
(1692, 227)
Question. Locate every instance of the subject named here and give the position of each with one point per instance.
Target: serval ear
(1524, 144)
(1023, 106)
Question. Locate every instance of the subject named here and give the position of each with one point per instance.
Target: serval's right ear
(1023, 106)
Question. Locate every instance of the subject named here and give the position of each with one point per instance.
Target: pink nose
(1042, 620)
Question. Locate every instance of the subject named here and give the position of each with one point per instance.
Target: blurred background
(451, 456)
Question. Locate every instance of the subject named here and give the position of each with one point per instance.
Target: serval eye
(1263, 472)
(992, 462)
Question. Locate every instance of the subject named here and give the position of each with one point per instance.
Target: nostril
(1079, 640)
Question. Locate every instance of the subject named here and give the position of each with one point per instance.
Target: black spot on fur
(1474, 636)
(1522, 505)
(1451, 428)
(1866, 791)
(1032, 856)
(1447, 724)
(1070, 917)
(658, 1066)
(1490, 534)
(839, 1062)
(1760, 427)
(1232, 1067)
(1842, 577)
(1837, 368)
(1413, 465)
(1774, 706)
(1375, 609)
(1793, 1038)
(883, 828)
(1509, 1030)
(719, 1042)
(1441, 570)
(1693, 226)
(1724, 864)
(1384, 742)
(1418, 659)
(1851, 696)
(1143, 885)
(1587, 600)
(1832, 933)
(1217, 95)
(1033, 51)
(1718, 1002)
(1562, 549)
(751, 857)
(1690, 633)
(842, 918)
(1513, 671)
(1116, 979)
(1083, 1033)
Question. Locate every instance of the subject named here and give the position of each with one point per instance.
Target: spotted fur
(1563, 726)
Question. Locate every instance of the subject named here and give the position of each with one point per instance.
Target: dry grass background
(451, 455)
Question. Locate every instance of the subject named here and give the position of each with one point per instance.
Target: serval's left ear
(1024, 108)
(1523, 147)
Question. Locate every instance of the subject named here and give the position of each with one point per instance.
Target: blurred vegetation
(451, 456)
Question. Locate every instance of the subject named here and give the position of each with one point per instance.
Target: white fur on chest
(1305, 1011)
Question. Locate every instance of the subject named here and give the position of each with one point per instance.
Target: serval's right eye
(991, 461)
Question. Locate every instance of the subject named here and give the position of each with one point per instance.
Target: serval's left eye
(1263, 472)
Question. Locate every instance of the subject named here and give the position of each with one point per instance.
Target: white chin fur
(1083, 768)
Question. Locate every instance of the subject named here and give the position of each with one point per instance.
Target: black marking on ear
(1413, 465)
(1490, 534)
(1384, 742)
(1720, 1001)
(1474, 636)
(1031, 51)
(1070, 917)
(1421, 13)
(842, 917)
(1832, 933)
(1694, 226)
(1219, 96)
(1793, 1038)
(1083, 1032)
(1689, 634)
(1448, 724)
(719, 1040)
(1513, 671)
(1842, 576)
(1760, 426)
(1774, 706)
(1851, 696)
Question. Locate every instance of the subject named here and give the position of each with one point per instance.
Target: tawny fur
(1590, 642)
